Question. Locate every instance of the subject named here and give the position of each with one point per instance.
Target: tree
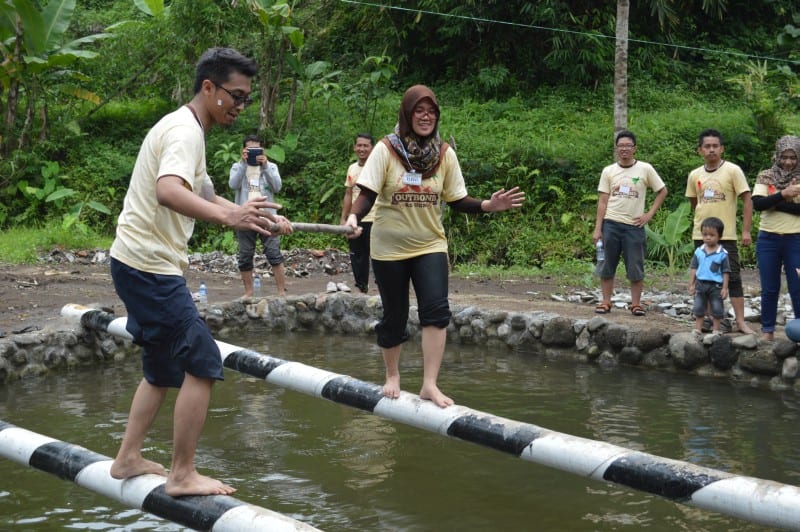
(30, 43)
(281, 42)
(621, 68)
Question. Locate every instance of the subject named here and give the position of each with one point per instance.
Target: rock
(722, 354)
(784, 349)
(789, 368)
(761, 362)
(746, 341)
(686, 351)
(559, 332)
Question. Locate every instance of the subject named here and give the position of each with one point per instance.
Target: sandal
(637, 310)
(603, 308)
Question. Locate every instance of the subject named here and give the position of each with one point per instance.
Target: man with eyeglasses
(621, 219)
(169, 189)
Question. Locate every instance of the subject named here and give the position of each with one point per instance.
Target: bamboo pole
(315, 228)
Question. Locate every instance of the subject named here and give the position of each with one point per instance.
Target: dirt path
(31, 296)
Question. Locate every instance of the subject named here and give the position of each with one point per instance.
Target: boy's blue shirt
(710, 266)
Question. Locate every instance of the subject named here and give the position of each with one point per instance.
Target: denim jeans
(773, 251)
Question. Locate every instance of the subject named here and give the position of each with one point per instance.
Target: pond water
(338, 468)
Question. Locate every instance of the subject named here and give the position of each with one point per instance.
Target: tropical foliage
(525, 87)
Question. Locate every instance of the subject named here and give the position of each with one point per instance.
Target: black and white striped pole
(752, 499)
(145, 492)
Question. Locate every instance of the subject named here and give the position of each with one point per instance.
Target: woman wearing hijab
(408, 175)
(776, 195)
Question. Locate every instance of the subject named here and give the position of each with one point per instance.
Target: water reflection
(343, 469)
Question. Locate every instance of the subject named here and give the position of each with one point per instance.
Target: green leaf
(60, 193)
(276, 154)
(677, 223)
(99, 207)
(153, 8)
(56, 15)
(32, 23)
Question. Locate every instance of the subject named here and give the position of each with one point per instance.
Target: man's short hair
(217, 65)
(625, 134)
(365, 136)
(709, 133)
(712, 222)
(251, 138)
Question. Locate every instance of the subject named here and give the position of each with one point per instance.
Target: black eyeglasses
(238, 99)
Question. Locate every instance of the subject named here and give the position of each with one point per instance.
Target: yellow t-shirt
(151, 237)
(352, 177)
(716, 194)
(627, 189)
(408, 218)
(773, 221)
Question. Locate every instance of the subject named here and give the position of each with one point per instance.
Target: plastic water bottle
(256, 285)
(203, 293)
(601, 252)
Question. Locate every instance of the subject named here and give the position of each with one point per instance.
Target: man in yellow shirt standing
(714, 190)
(621, 219)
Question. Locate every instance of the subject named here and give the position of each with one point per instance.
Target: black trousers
(359, 256)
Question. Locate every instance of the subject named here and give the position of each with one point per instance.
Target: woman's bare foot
(768, 336)
(121, 469)
(744, 329)
(392, 387)
(436, 396)
(196, 484)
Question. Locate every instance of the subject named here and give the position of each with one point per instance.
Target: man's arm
(347, 202)
(747, 217)
(602, 206)
(273, 177)
(640, 221)
(173, 192)
(237, 174)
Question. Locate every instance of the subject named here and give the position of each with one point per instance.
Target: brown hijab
(777, 176)
(419, 153)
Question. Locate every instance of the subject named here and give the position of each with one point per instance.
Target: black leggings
(429, 274)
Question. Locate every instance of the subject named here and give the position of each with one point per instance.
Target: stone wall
(596, 341)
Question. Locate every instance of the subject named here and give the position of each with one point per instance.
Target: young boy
(710, 272)
(251, 181)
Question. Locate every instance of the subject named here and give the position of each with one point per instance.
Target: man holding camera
(252, 177)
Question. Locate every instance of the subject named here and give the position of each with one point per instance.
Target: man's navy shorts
(163, 319)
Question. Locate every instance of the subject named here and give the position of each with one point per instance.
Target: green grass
(21, 245)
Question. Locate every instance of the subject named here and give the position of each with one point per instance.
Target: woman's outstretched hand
(503, 199)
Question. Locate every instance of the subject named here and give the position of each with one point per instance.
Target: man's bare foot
(121, 470)
(436, 396)
(392, 387)
(767, 337)
(196, 484)
(744, 329)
